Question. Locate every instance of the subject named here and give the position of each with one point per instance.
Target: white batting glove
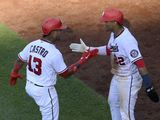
(76, 47)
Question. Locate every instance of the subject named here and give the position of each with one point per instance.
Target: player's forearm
(141, 67)
(147, 82)
(18, 65)
(144, 73)
(102, 50)
(83, 59)
(70, 70)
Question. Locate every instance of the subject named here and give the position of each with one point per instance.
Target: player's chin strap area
(83, 59)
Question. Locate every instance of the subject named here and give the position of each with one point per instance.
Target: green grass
(77, 101)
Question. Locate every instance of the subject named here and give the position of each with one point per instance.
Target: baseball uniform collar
(45, 40)
(119, 33)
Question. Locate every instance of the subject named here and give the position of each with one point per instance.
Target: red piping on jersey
(69, 71)
(21, 58)
(139, 63)
(64, 74)
(63, 71)
(108, 51)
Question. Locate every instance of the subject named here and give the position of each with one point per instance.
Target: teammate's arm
(144, 73)
(22, 58)
(82, 47)
(15, 72)
(83, 59)
(102, 50)
(147, 82)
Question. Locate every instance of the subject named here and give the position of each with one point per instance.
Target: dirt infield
(25, 17)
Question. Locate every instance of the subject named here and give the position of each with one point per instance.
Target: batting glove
(152, 94)
(76, 47)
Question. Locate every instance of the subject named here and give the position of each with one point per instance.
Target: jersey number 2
(119, 60)
(37, 70)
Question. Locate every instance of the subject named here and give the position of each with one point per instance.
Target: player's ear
(115, 23)
(68, 29)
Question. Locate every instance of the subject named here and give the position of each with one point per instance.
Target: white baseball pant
(46, 98)
(123, 95)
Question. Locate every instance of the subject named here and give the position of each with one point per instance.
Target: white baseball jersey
(124, 52)
(44, 62)
(126, 81)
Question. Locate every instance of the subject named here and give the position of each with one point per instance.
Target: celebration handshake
(76, 47)
(87, 55)
(82, 48)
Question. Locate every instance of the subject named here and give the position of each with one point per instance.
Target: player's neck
(50, 39)
(118, 30)
(46, 40)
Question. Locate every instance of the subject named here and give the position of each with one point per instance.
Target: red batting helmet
(112, 15)
(51, 24)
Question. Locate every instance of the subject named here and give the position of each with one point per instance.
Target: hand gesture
(79, 47)
(88, 55)
(13, 78)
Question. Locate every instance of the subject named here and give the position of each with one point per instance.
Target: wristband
(146, 81)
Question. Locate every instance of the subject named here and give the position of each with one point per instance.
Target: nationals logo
(134, 53)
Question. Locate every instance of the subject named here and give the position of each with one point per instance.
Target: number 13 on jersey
(38, 64)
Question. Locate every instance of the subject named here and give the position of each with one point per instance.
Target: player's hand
(88, 55)
(76, 47)
(152, 94)
(13, 78)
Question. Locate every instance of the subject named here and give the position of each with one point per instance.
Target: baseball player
(44, 63)
(127, 64)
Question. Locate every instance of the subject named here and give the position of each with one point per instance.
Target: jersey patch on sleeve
(134, 53)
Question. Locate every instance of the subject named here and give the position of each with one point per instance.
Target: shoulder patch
(134, 53)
